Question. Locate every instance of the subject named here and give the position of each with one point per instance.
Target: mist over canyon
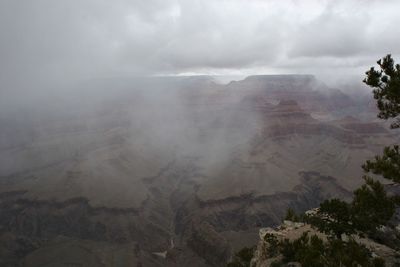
(174, 171)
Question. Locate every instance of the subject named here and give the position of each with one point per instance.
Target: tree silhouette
(386, 84)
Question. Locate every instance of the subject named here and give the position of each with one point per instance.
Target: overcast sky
(55, 41)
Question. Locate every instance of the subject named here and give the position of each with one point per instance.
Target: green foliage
(349, 253)
(242, 258)
(386, 84)
(312, 251)
(371, 207)
(273, 245)
(387, 165)
(308, 251)
(378, 262)
(334, 218)
(291, 215)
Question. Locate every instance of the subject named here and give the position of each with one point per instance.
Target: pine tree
(371, 207)
(334, 218)
(387, 165)
(386, 88)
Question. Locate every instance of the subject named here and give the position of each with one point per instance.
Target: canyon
(174, 171)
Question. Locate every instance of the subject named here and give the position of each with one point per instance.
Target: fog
(153, 118)
(167, 132)
(66, 63)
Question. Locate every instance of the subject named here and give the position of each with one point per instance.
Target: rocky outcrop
(293, 230)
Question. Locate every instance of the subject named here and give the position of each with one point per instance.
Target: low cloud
(50, 42)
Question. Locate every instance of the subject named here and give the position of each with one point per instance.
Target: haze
(55, 42)
(167, 132)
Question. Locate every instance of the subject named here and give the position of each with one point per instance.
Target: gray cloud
(332, 33)
(50, 42)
